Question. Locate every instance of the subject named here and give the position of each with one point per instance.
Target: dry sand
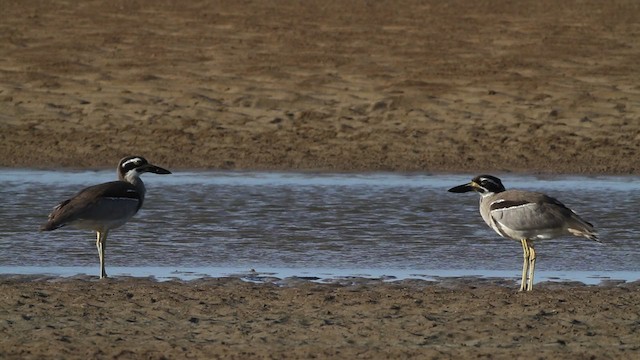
(333, 85)
(339, 85)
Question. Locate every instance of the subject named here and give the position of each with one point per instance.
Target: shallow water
(288, 223)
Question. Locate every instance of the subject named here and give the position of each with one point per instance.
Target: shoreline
(453, 169)
(321, 172)
(292, 276)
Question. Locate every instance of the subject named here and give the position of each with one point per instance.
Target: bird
(525, 216)
(105, 206)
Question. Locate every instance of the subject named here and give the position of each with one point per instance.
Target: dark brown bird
(105, 206)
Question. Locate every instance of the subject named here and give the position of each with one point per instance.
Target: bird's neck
(486, 197)
(133, 178)
(486, 194)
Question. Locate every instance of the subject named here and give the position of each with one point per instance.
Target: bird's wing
(524, 211)
(85, 202)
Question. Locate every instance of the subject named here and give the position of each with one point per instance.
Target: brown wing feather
(86, 200)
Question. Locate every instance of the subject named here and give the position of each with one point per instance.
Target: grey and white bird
(525, 216)
(105, 206)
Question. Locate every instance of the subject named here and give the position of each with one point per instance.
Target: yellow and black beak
(472, 186)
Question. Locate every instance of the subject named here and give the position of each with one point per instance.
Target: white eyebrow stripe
(134, 160)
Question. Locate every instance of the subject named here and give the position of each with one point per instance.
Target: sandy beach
(320, 85)
(329, 85)
(134, 318)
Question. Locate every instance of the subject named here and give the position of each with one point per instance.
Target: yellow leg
(101, 243)
(98, 242)
(525, 264)
(532, 265)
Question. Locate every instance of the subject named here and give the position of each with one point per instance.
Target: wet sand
(229, 318)
(329, 85)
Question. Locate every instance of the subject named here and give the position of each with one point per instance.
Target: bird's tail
(583, 228)
(54, 221)
(49, 225)
(591, 235)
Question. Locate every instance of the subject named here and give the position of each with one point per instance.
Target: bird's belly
(102, 225)
(537, 234)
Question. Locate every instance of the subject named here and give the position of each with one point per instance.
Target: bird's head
(133, 166)
(483, 184)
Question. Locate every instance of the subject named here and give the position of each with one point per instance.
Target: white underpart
(131, 176)
(486, 193)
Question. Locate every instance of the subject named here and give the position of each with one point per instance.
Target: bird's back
(99, 207)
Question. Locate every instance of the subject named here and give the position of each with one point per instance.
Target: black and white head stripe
(488, 184)
(132, 167)
(132, 162)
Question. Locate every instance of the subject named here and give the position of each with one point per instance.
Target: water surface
(398, 224)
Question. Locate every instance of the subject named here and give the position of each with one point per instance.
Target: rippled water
(249, 220)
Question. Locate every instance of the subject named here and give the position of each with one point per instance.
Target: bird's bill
(464, 188)
(155, 169)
